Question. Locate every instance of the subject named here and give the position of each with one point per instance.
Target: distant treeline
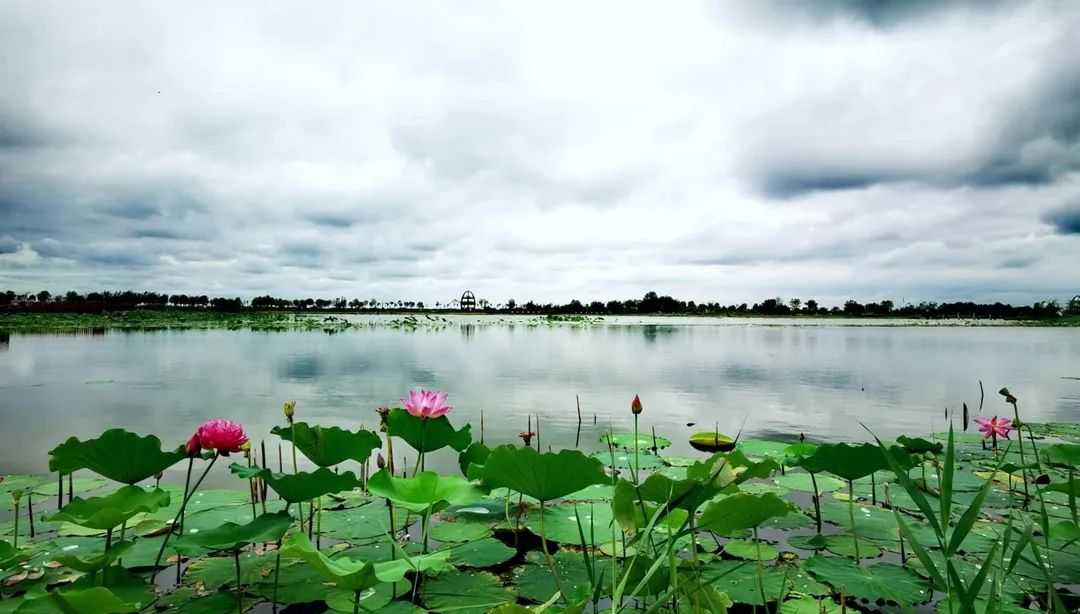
(651, 303)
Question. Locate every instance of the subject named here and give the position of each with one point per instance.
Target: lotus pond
(959, 521)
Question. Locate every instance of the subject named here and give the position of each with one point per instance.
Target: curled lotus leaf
(427, 434)
(231, 536)
(117, 454)
(472, 459)
(712, 441)
(355, 575)
(96, 600)
(425, 490)
(851, 462)
(1063, 454)
(743, 511)
(112, 510)
(89, 563)
(918, 445)
(327, 446)
(542, 476)
(303, 486)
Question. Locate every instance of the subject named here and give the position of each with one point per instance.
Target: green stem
(239, 589)
(1072, 496)
(15, 507)
(105, 568)
(296, 470)
(183, 506)
(1023, 462)
(187, 488)
(760, 572)
(817, 502)
(547, 555)
(637, 463)
(851, 515)
(356, 602)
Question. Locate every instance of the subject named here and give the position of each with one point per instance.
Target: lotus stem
(183, 506)
(71, 487)
(817, 502)
(637, 463)
(760, 573)
(59, 490)
(318, 525)
(105, 568)
(547, 555)
(873, 489)
(1072, 502)
(295, 469)
(277, 574)
(356, 602)
(187, 487)
(30, 509)
(1023, 462)
(851, 515)
(15, 511)
(239, 588)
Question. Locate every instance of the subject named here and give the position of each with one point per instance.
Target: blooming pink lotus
(221, 435)
(426, 403)
(994, 427)
(193, 447)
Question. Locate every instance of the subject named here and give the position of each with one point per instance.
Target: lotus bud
(635, 405)
(380, 461)
(246, 449)
(1009, 398)
(289, 409)
(527, 436)
(193, 447)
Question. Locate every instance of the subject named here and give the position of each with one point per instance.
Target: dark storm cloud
(880, 13)
(1065, 220)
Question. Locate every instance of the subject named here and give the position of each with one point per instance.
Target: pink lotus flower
(221, 435)
(426, 403)
(994, 427)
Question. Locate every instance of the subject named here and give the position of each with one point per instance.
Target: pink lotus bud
(635, 405)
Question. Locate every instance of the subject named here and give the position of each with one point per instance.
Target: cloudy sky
(715, 151)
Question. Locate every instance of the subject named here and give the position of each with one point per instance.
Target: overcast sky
(713, 151)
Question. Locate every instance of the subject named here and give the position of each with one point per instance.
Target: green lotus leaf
(712, 441)
(645, 441)
(353, 575)
(542, 476)
(535, 583)
(1066, 486)
(750, 550)
(327, 446)
(484, 552)
(95, 561)
(303, 486)
(739, 579)
(460, 531)
(565, 523)
(96, 600)
(881, 581)
(465, 592)
(427, 434)
(736, 464)
(20, 485)
(810, 605)
(111, 511)
(743, 511)
(9, 555)
(625, 459)
(659, 490)
(852, 462)
(117, 454)
(231, 536)
(472, 460)
(918, 445)
(425, 490)
(1064, 454)
(801, 481)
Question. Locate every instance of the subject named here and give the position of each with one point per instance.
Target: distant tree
(853, 307)
(44, 296)
(1074, 306)
(811, 306)
(322, 303)
(511, 304)
(795, 304)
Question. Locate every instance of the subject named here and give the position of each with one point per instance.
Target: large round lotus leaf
(918, 445)
(327, 446)
(48, 488)
(711, 441)
(881, 581)
(802, 481)
(117, 454)
(807, 542)
(142, 553)
(217, 603)
(93, 559)
(212, 573)
(268, 527)
(561, 523)
(465, 592)
(795, 520)
(645, 441)
(760, 488)
(126, 585)
(472, 459)
(535, 583)
(353, 574)
(213, 518)
(423, 491)
(1062, 430)
(373, 599)
(481, 553)
(380, 549)
(847, 461)
(427, 434)
(596, 492)
(346, 499)
(112, 510)
(750, 550)
(743, 511)
(761, 448)
(810, 605)
(625, 460)
(364, 522)
(303, 486)
(200, 501)
(459, 531)
(679, 461)
(739, 580)
(844, 545)
(95, 600)
(870, 522)
(487, 509)
(542, 476)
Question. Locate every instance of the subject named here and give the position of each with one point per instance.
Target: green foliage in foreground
(941, 522)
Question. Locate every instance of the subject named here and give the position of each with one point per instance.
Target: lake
(778, 377)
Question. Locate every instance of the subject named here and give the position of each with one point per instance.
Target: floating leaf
(711, 441)
(743, 511)
(481, 553)
(327, 446)
(751, 550)
(645, 441)
(740, 581)
(111, 511)
(301, 486)
(810, 605)
(426, 490)
(231, 536)
(561, 523)
(427, 434)
(803, 482)
(460, 531)
(355, 575)
(535, 583)
(96, 600)
(542, 476)
(626, 460)
(465, 592)
(88, 563)
(117, 454)
(881, 581)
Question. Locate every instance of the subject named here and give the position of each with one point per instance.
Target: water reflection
(816, 380)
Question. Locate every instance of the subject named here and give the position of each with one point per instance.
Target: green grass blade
(967, 520)
(920, 551)
(947, 479)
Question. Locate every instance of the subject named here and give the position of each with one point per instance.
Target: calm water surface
(779, 378)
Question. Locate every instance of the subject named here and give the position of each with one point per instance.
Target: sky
(715, 151)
